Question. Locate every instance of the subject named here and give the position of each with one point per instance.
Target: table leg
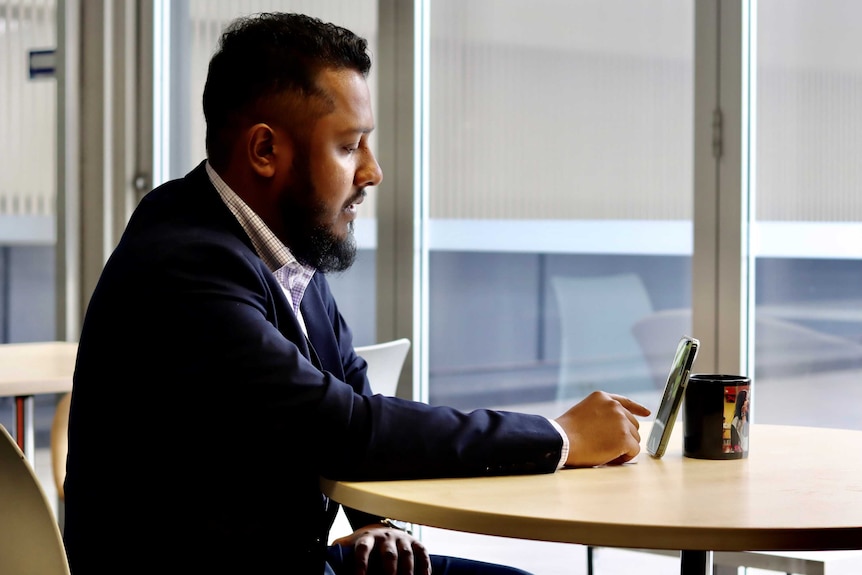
(24, 434)
(695, 562)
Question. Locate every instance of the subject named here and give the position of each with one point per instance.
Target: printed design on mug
(736, 417)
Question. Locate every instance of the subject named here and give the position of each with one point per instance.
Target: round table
(800, 489)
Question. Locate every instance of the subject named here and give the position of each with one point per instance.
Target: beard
(326, 252)
(310, 236)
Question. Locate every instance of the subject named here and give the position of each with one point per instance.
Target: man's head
(288, 117)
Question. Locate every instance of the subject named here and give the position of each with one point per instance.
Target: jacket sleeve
(206, 305)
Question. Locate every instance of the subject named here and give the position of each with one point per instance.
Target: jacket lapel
(320, 332)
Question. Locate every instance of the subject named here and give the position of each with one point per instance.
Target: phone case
(674, 390)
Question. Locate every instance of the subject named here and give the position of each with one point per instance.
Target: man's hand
(602, 429)
(399, 552)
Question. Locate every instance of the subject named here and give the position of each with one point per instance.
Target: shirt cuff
(564, 454)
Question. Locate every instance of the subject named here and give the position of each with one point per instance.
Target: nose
(369, 173)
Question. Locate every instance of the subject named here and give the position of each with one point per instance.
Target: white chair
(597, 348)
(30, 539)
(781, 346)
(385, 361)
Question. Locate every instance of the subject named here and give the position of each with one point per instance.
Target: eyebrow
(362, 131)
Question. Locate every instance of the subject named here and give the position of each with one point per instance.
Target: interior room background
(535, 231)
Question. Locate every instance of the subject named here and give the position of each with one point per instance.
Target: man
(216, 380)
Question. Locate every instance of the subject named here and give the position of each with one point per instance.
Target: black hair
(741, 396)
(263, 57)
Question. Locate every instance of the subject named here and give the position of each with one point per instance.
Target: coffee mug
(715, 416)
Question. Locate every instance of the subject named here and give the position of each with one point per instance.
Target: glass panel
(28, 176)
(196, 26)
(560, 199)
(808, 322)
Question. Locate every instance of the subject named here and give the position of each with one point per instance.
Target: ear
(267, 150)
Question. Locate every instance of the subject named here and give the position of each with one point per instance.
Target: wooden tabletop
(800, 489)
(36, 368)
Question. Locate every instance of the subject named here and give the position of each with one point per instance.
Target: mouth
(351, 205)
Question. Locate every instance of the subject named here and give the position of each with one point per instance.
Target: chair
(597, 348)
(60, 443)
(780, 346)
(385, 361)
(30, 539)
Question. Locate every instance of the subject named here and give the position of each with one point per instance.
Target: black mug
(715, 416)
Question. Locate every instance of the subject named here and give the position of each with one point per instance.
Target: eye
(352, 147)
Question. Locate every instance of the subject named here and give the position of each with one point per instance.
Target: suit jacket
(202, 417)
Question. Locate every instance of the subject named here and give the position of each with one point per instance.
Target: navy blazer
(202, 417)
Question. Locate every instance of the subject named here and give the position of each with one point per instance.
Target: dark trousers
(340, 562)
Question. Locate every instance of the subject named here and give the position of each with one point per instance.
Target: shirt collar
(293, 276)
(271, 250)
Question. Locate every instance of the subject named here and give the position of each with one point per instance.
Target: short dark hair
(266, 56)
(741, 396)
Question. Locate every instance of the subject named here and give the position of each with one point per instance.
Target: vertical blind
(28, 110)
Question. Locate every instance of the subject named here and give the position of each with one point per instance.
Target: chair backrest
(780, 346)
(597, 348)
(658, 335)
(30, 539)
(385, 361)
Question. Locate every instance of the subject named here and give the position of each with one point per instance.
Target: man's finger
(389, 558)
(405, 559)
(632, 405)
(362, 553)
(421, 559)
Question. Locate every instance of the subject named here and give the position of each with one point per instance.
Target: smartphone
(674, 390)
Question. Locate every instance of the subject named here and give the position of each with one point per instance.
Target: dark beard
(311, 242)
(309, 237)
(320, 249)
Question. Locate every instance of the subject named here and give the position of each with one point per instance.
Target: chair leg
(590, 560)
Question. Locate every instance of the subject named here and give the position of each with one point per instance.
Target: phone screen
(674, 390)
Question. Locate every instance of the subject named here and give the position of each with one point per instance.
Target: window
(808, 228)
(193, 29)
